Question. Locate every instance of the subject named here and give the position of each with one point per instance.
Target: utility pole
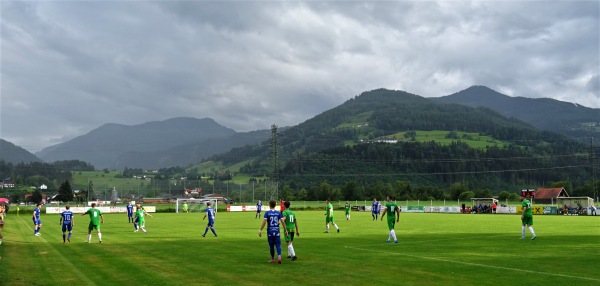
(592, 156)
(275, 161)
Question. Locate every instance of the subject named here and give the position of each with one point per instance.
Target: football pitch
(433, 249)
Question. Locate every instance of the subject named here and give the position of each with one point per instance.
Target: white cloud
(69, 67)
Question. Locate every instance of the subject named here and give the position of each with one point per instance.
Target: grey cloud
(69, 67)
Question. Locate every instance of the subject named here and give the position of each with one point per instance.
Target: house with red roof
(549, 195)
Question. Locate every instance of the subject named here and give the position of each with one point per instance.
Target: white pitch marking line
(73, 268)
(478, 264)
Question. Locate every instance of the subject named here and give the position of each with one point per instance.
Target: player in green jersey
(393, 213)
(291, 224)
(139, 216)
(526, 217)
(96, 218)
(329, 217)
(347, 208)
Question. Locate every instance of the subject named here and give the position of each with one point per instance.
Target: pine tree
(65, 193)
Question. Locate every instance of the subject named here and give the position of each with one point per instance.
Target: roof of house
(29, 195)
(547, 193)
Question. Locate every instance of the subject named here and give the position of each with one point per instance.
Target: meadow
(433, 249)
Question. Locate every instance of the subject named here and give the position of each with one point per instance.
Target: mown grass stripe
(476, 264)
(174, 253)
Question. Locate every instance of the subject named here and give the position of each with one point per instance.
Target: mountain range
(185, 141)
(572, 120)
(174, 142)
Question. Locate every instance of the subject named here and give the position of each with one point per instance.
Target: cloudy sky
(68, 67)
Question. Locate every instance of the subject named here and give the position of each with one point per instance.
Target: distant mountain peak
(12, 153)
(478, 91)
(103, 146)
(568, 118)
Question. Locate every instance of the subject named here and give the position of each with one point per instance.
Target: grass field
(433, 249)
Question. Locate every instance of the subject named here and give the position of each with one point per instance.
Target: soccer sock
(393, 234)
(523, 230)
(272, 250)
(69, 235)
(100, 236)
(89, 237)
(327, 227)
(291, 250)
(213, 231)
(64, 237)
(135, 226)
(336, 227)
(205, 231)
(278, 247)
(531, 230)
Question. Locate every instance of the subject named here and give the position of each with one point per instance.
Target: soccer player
(375, 209)
(210, 213)
(329, 217)
(130, 213)
(526, 217)
(136, 220)
(139, 215)
(273, 218)
(281, 205)
(185, 207)
(347, 208)
(36, 220)
(393, 213)
(67, 222)
(291, 225)
(258, 209)
(96, 218)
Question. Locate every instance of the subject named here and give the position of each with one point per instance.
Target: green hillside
(473, 140)
(438, 145)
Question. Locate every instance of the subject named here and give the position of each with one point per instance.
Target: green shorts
(329, 220)
(527, 220)
(290, 236)
(391, 223)
(93, 226)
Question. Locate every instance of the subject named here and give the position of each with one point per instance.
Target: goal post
(194, 205)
